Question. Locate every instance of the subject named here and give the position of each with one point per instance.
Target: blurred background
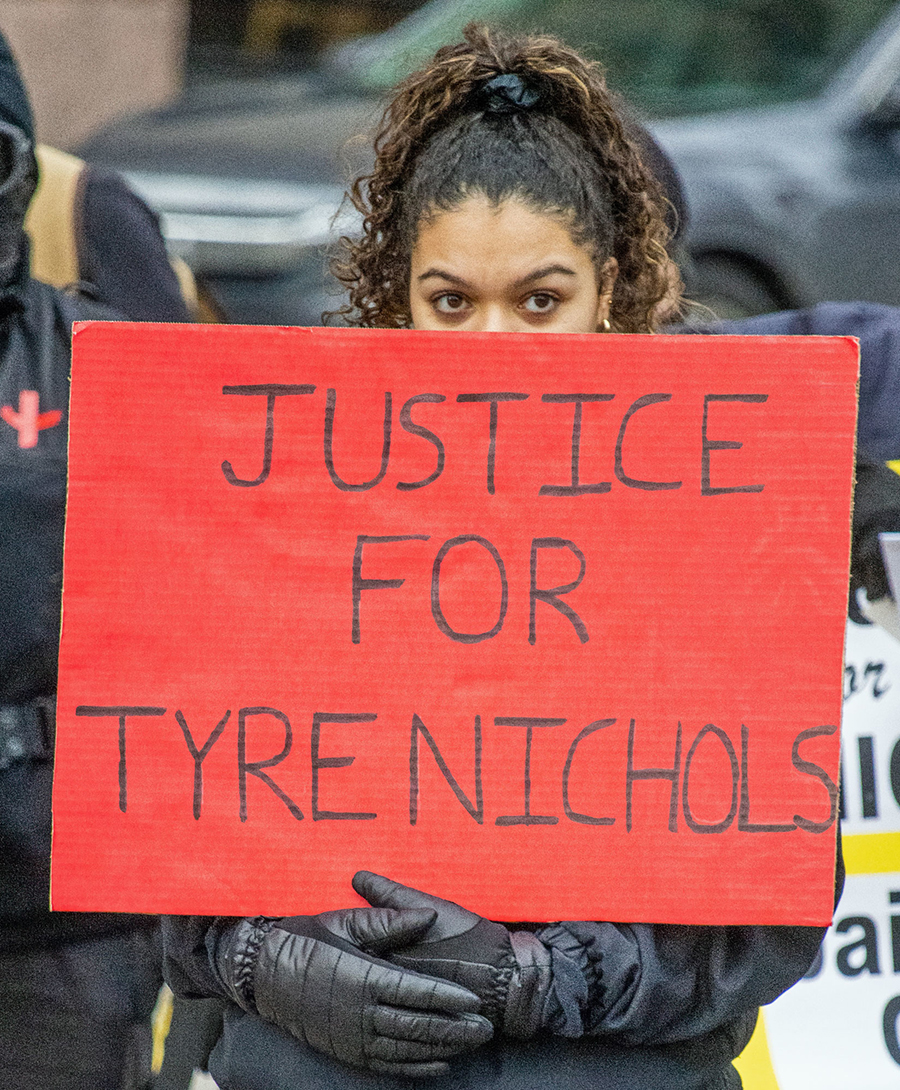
(241, 121)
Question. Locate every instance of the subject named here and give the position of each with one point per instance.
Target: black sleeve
(187, 966)
(662, 983)
(121, 251)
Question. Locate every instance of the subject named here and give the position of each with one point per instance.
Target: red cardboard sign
(548, 624)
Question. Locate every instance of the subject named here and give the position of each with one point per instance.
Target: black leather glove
(876, 508)
(511, 972)
(309, 975)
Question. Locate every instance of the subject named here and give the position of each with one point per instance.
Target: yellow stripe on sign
(872, 853)
(755, 1064)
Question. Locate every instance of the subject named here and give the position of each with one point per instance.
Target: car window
(686, 56)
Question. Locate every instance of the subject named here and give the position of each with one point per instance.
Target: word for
(575, 487)
(677, 775)
(550, 595)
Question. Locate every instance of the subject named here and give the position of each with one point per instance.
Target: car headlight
(244, 226)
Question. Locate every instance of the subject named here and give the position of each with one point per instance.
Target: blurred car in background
(783, 121)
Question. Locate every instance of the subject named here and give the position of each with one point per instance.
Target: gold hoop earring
(605, 326)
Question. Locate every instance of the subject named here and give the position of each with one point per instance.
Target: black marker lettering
(121, 713)
(255, 768)
(811, 769)
(494, 399)
(745, 825)
(671, 774)
(271, 390)
(576, 488)
(633, 482)
(359, 584)
(707, 445)
(550, 594)
(199, 755)
(718, 826)
(572, 815)
(529, 723)
(476, 812)
(406, 422)
(337, 481)
(333, 762)
(438, 613)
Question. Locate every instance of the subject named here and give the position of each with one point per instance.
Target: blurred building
(259, 36)
(87, 61)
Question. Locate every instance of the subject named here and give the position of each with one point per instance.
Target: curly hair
(564, 150)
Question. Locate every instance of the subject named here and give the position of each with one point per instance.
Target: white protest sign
(840, 1026)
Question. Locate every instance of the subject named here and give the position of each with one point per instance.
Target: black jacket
(35, 360)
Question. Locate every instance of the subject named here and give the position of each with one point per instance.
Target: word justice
(575, 486)
(683, 776)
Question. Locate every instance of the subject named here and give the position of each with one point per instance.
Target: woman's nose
(498, 319)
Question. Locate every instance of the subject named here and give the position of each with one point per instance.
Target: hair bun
(506, 93)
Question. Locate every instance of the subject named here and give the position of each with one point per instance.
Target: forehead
(481, 239)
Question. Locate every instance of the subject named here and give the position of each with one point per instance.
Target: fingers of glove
(402, 988)
(378, 890)
(410, 1070)
(379, 930)
(391, 1051)
(446, 1035)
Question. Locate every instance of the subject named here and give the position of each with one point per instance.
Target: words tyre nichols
(551, 625)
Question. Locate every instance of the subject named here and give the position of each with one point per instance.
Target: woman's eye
(541, 302)
(449, 303)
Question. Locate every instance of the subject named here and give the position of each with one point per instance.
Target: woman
(506, 196)
(508, 134)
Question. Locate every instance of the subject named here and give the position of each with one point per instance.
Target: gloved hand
(510, 971)
(309, 975)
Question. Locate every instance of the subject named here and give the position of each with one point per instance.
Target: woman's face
(505, 268)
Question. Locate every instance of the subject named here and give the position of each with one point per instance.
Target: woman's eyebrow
(546, 270)
(538, 274)
(441, 275)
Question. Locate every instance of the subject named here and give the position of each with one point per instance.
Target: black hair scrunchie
(507, 93)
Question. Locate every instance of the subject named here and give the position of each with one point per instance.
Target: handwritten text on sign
(549, 624)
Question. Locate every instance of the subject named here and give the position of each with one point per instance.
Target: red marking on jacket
(28, 421)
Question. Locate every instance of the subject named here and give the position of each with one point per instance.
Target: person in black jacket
(76, 990)
(506, 196)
